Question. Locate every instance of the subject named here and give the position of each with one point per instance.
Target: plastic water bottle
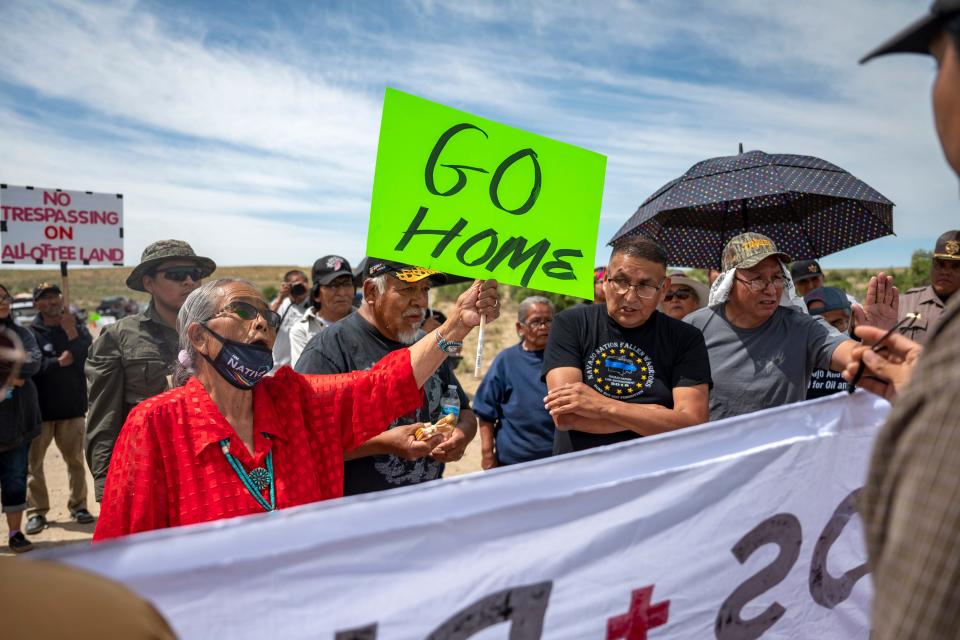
(450, 402)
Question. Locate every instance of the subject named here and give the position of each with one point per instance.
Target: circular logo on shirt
(619, 370)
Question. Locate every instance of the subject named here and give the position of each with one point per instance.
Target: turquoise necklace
(257, 480)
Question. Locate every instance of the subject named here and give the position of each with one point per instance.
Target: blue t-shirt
(511, 394)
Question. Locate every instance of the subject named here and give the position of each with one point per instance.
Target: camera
(298, 289)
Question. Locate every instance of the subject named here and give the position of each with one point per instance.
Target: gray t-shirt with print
(766, 366)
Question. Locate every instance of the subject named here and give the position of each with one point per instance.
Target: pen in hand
(907, 320)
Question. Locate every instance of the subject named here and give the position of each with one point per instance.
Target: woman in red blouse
(233, 441)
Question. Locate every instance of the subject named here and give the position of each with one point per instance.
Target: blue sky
(250, 128)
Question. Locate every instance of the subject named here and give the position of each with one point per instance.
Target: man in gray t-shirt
(762, 351)
(765, 366)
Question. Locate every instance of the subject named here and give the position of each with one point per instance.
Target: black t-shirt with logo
(641, 365)
(354, 344)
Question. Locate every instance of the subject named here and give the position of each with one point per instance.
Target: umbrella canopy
(809, 207)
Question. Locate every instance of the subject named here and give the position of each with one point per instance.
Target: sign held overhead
(41, 226)
(469, 196)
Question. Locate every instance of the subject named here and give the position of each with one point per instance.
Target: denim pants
(13, 478)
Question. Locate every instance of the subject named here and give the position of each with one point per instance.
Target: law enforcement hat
(916, 37)
(948, 246)
(804, 270)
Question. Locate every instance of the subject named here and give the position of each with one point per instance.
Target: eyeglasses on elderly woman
(247, 312)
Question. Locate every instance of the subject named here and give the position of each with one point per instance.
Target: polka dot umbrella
(808, 206)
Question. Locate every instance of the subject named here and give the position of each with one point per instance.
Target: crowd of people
(215, 403)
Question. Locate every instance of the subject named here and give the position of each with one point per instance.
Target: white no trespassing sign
(41, 226)
(740, 529)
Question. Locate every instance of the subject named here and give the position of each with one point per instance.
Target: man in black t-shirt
(393, 308)
(622, 370)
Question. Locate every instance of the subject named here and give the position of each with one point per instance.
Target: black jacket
(19, 413)
(62, 390)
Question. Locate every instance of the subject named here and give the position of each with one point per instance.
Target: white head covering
(720, 291)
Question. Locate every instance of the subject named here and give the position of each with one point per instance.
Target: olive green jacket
(130, 362)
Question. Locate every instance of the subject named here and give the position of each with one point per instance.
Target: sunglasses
(679, 294)
(248, 313)
(179, 274)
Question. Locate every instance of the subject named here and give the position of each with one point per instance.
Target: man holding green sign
(465, 195)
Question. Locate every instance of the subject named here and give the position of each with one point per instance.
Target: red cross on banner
(633, 624)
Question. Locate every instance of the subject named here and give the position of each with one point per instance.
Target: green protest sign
(472, 197)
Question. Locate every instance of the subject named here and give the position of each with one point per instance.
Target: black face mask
(242, 365)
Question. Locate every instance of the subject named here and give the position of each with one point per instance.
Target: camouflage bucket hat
(748, 250)
(164, 250)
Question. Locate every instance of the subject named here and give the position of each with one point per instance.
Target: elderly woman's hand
(481, 298)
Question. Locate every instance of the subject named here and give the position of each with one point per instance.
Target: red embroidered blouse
(168, 469)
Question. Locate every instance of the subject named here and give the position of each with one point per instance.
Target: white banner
(738, 529)
(42, 226)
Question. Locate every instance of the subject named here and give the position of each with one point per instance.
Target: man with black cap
(806, 275)
(929, 301)
(133, 358)
(331, 300)
(62, 392)
(910, 504)
(394, 305)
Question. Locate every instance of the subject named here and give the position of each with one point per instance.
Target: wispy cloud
(254, 136)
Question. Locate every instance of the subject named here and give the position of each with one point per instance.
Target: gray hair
(380, 282)
(528, 303)
(202, 304)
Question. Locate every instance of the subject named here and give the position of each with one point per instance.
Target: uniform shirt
(169, 469)
(911, 502)
(131, 361)
(927, 303)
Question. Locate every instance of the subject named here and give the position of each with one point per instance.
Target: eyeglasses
(760, 284)
(248, 313)
(346, 283)
(6, 299)
(622, 287)
(179, 274)
(679, 294)
(538, 324)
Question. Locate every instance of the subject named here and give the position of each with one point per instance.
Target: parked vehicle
(118, 307)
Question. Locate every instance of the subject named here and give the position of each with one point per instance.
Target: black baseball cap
(402, 271)
(329, 268)
(44, 288)
(804, 269)
(916, 37)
